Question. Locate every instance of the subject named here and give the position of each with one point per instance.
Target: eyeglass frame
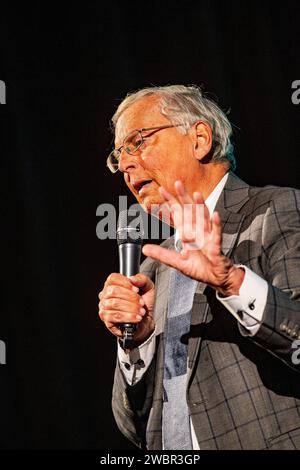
(139, 131)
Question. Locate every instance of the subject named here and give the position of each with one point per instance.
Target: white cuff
(249, 305)
(135, 363)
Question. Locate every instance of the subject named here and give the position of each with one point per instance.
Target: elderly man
(214, 362)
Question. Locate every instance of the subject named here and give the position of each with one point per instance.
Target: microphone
(129, 239)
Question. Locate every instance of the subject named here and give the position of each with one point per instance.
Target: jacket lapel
(231, 200)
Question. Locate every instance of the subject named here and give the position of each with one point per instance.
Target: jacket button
(283, 325)
(295, 331)
(290, 328)
(127, 366)
(251, 305)
(140, 363)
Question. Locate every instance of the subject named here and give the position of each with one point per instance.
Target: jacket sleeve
(280, 331)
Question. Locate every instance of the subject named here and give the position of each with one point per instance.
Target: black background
(66, 68)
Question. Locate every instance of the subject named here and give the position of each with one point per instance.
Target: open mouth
(140, 185)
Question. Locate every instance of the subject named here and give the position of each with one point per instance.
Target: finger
(168, 197)
(174, 205)
(119, 292)
(181, 193)
(165, 214)
(114, 329)
(118, 279)
(187, 228)
(191, 222)
(115, 316)
(168, 257)
(121, 305)
(142, 281)
(186, 224)
(171, 201)
(200, 215)
(198, 198)
(216, 233)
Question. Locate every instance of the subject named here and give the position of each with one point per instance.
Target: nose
(127, 162)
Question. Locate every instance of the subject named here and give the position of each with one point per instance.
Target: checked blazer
(243, 392)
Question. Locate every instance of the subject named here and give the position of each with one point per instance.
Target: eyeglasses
(131, 144)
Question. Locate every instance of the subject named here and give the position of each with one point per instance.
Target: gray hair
(184, 105)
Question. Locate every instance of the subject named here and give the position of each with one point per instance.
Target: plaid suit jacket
(243, 392)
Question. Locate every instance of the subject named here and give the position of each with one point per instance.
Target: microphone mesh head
(130, 227)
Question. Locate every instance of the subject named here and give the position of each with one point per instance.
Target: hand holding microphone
(130, 238)
(127, 299)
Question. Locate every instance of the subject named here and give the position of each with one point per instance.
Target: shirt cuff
(135, 363)
(248, 307)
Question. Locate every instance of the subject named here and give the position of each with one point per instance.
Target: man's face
(166, 155)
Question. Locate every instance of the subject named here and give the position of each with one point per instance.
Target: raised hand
(201, 257)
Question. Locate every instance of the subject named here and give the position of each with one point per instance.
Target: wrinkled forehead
(142, 113)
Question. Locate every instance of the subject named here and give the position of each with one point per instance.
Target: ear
(202, 138)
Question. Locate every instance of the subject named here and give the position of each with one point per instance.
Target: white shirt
(253, 287)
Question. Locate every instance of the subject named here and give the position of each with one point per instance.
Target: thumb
(142, 281)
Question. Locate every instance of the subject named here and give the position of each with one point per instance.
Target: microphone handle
(129, 256)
